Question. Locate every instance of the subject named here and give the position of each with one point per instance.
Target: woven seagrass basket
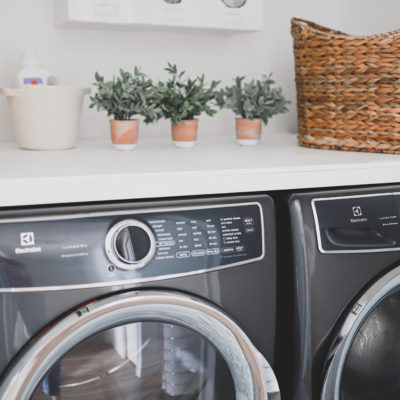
(348, 89)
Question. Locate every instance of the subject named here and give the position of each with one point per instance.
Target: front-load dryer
(151, 300)
(347, 294)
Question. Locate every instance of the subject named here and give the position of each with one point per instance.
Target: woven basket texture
(348, 89)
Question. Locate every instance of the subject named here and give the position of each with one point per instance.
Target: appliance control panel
(365, 223)
(123, 246)
(223, 236)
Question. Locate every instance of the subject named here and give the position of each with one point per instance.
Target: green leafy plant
(128, 95)
(184, 98)
(253, 99)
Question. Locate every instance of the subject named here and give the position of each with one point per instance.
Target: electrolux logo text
(357, 212)
(27, 240)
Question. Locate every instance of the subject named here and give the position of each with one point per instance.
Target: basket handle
(9, 92)
(304, 24)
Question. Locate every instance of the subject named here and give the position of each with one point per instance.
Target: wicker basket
(348, 89)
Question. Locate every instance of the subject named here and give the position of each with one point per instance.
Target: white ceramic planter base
(124, 146)
(248, 142)
(183, 145)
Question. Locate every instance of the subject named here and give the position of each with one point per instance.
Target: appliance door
(141, 345)
(365, 360)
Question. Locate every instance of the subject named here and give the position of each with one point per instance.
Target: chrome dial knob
(234, 3)
(130, 244)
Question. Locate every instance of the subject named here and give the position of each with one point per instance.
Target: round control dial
(130, 244)
(234, 3)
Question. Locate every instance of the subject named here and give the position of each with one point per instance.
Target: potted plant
(254, 102)
(184, 99)
(124, 97)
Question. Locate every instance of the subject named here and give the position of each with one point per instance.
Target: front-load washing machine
(151, 300)
(347, 291)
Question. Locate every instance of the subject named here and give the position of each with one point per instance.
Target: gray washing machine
(145, 300)
(347, 294)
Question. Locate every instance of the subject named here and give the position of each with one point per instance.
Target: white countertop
(155, 169)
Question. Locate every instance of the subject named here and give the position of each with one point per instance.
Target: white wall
(367, 17)
(75, 54)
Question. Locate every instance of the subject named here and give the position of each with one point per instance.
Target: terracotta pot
(248, 132)
(184, 134)
(124, 134)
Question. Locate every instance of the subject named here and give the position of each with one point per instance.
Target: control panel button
(166, 243)
(248, 221)
(250, 229)
(198, 253)
(212, 252)
(183, 254)
(240, 249)
(130, 244)
(228, 250)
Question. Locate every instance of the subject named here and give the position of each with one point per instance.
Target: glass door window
(372, 367)
(140, 361)
(364, 363)
(141, 345)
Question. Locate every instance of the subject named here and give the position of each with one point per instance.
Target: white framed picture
(229, 15)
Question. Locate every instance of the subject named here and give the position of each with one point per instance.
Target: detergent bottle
(32, 73)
